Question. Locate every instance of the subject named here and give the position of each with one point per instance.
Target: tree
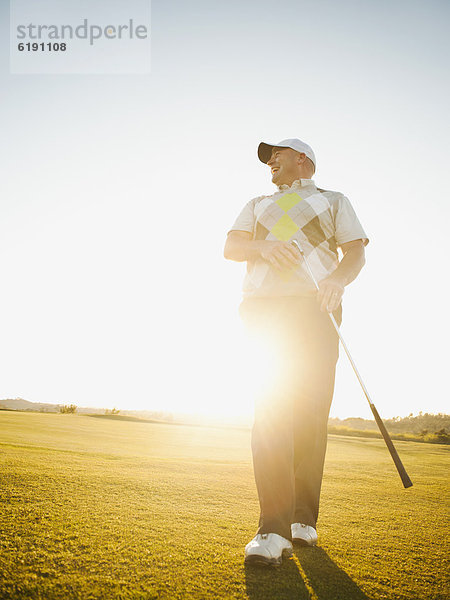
(68, 409)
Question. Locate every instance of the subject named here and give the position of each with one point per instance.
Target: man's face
(284, 166)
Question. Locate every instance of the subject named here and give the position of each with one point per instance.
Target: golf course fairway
(109, 508)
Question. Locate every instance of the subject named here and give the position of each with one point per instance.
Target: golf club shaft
(387, 438)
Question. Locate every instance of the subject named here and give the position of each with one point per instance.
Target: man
(282, 307)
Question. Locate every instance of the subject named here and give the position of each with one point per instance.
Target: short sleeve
(246, 219)
(347, 225)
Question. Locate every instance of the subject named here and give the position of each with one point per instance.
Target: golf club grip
(395, 457)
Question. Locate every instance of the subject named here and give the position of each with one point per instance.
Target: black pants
(289, 435)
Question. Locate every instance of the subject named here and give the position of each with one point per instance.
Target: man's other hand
(330, 294)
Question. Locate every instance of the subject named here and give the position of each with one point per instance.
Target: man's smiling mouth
(274, 170)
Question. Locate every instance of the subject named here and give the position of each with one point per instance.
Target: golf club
(387, 438)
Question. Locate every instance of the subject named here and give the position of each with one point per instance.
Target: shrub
(68, 408)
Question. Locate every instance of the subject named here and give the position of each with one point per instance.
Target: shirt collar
(298, 183)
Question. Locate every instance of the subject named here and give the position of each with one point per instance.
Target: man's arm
(240, 247)
(332, 287)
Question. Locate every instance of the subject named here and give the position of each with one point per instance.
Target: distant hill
(21, 404)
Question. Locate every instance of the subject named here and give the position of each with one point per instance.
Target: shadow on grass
(310, 574)
(275, 583)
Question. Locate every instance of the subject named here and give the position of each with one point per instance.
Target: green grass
(105, 508)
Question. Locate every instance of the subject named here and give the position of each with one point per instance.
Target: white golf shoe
(304, 534)
(268, 549)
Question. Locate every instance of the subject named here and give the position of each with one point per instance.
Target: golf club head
(297, 245)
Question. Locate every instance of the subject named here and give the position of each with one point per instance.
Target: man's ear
(301, 157)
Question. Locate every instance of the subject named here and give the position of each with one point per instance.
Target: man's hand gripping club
(284, 255)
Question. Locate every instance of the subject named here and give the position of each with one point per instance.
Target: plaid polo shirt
(319, 220)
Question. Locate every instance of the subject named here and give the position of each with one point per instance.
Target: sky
(118, 190)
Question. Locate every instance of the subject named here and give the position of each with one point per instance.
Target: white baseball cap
(265, 150)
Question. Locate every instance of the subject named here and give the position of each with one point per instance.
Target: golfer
(288, 316)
